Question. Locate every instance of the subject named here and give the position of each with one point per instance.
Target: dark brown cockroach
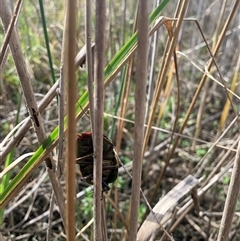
(85, 160)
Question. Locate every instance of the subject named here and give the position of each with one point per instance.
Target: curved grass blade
(5, 180)
(37, 158)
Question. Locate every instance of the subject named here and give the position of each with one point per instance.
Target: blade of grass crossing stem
(28, 168)
(111, 69)
(38, 156)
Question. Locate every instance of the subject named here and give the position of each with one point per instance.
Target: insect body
(85, 160)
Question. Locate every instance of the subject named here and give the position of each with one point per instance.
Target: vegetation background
(209, 138)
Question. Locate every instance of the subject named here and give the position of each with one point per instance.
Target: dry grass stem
(232, 197)
(89, 59)
(99, 63)
(9, 31)
(141, 80)
(162, 211)
(71, 91)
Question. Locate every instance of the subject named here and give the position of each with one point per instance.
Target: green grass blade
(47, 40)
(155, 14)
(5, 180)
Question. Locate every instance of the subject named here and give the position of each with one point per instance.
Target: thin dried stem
(61, 107)
(98, 116)
(50, 217)
(141, 79)
(71, 130)
(9, 31)
(89, 58)
(232, 197)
